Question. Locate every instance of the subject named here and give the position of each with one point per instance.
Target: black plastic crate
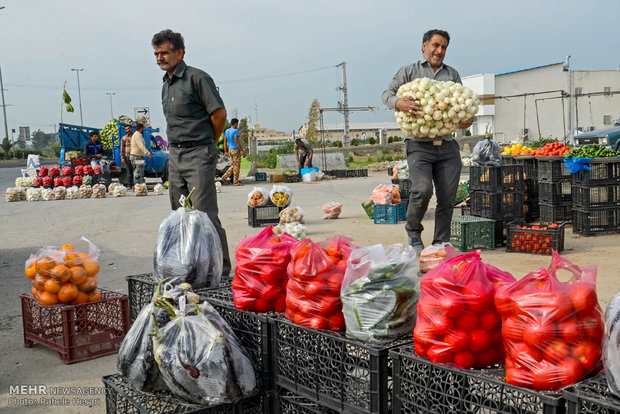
(555, 213)
(552, 169)
(531, 211)
(537, 241)
(497, 206)
(260, 176)
(289, 403)
(530, 188)
(595, 221)
(496, 179)
(362, 172)
(122, 397)
(264, 215)
(142, 287)
(592, 396)
(292, 178)
(404, 187)
(555, 192)
(421, 386)
(465, 210)
(529, 164)
(587, 197)
(336, 173)
(603, 171)
(334, 371)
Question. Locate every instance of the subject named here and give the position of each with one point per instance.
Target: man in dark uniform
(195, 116)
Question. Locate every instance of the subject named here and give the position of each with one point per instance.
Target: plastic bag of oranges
(66, 274)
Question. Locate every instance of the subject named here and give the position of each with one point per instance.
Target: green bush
(350, 158)
(286, 148)
(372, 141)
(467, 133)
(355, 142)
(390, 139)
(339, 144)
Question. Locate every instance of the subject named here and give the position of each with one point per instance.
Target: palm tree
(6, 147)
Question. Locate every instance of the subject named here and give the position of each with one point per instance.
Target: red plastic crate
(77, 333)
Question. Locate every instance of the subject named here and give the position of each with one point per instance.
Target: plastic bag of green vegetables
(136, 360)
(380, 292)
(200, 358)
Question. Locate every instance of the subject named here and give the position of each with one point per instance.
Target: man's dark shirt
(189, 98)
(92, 149)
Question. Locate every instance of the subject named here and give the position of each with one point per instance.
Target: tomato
(427, 305)
(295, 287)
(243, 301)
(538, 333)
(271, 274)
(280, 304)
(423, 333)
(441, 324)
(583, 297)
(518, 377)
(262, 306)
(300, 319)
(588, 354)
(593, 328)
(457, 340)
(556, 351)
(487, 358)
(301, 252)
(332, 250)
(570, 330)
(461, 271)
(478, 296)
(334, 282)
(292, 302)
(479, 340)
(307, 307)
(254, 285)
(451, 305)
(490, 320)
(289, 314)
(503, 302)
(439, 354)
(335, 322)
(523, 355)
(570, 371)
(468, 321)
(426, 284)
(555, 305)
(328, 304)
(315, 287)
(545, 376)
(281, 257)
(465, 359)
(318, 322)
(301, 270)
(419, 349)
(496, 338)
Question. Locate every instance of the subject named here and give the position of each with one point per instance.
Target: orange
(80, 298)
(91, 267)
(31, 272)
(48, 299)
(72, 259)
(60, 273)
(44, 265)
(89, 285)
(39, 282)
(94, 296)
(52, 286)
(66, 247)
(77, 275)
(35, 292)
(67, 292)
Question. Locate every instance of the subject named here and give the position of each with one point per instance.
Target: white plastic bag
(292, 215)
(280, 195)
(258, 197)
(331, 210)
(380, 292)
(611, 344)
(434, 254)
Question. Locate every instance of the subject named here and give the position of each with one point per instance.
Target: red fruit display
(54, 171)
(315, 275)
(79, 169)
(457, 323)
(88, 170)
(260, 278)
(67, 181)
(37, 181)
(97, 169)
(552, 330)
(47, 181)
(67, 171)
(77, 180)
(43, 171)
(58, 181)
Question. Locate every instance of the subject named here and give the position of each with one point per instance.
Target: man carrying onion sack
(195, 116)
(433, 155)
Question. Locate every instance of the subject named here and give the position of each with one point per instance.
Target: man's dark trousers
(195, 167)
(432, 164)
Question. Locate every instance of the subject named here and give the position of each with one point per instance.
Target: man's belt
(190, 144)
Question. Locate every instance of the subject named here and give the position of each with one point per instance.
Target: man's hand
(99, 155)
(298, 164)
(409, 105)
(467, 124)
(226, 153)
(150, 155)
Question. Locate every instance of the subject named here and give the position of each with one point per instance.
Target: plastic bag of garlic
(445, 106)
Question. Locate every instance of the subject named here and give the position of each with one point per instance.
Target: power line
(282, 75)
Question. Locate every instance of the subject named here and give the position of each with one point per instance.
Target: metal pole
(345, 107)
(6, 127)
(111, 110)
(77, 72)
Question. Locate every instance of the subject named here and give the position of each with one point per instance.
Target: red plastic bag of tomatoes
(260, 278)
(552, 330)
(315, 277)
(457, 323)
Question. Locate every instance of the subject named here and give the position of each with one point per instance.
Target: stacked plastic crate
(554, 190)
(596, 198)
(497, 193)
(531, 209)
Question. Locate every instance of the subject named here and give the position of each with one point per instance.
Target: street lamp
(111, 110)
(6, 127)
(77, 72)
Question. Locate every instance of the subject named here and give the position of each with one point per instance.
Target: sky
(271, 58)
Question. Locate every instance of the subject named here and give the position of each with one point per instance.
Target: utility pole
(6, 127)
(566, 68)
(111, 110)
(77, 72)
(345, 104)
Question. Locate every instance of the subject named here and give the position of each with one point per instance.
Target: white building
(534, 101)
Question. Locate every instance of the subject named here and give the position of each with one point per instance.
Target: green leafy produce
(109, 134)
(592, 151)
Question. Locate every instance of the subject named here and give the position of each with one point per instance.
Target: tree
(41, 140)
(6, 147)
(313, 118)
(244, 133)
